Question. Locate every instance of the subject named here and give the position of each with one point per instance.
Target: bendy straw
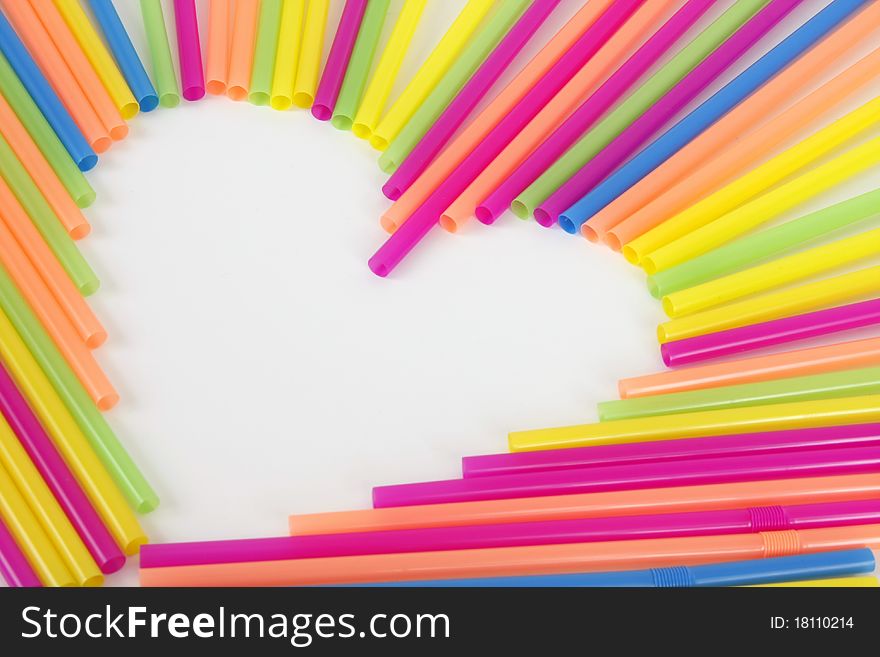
(58, 476)
(529, 560)
(596, 195)
(430, 73)
(125, 54)
(352, 90)
(768, 442)
(265, 48)
(379, 90)
(14, 567)
(311, 53)
(189, 49)
(287, 54)
(800, 362)
(642, 99)
(241, 49)
(772, 333)
(100, 58)
(160, 52)
(337, 61)
(217, 65)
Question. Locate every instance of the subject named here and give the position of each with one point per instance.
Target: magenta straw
(467, 99)
(426, 217)
(637, 134)
(591, 110)
(189, 49)
(58, 476)
(767, 442)
(337, 61)
(772, 333)
(693, 472)
(549, 532)
(14, 567)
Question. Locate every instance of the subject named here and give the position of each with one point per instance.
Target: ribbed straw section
(781, 544)
(768, 518)
(676, 577)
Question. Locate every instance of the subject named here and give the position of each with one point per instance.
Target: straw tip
(378, 267)
(322, 112)
(193, 93)
(485, 215)
(87, 163)
(543, 218)
(567, 224)
(391, 191)
(149, 103)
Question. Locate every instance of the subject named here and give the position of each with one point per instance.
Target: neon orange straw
(481, 126)
(241, 53)
(217, 66)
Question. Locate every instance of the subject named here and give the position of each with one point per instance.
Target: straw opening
(303, 99)
(484, 215)
(589, 233)
(322, 112)
(361, 130)
(448, 224)
(379, 143)
(567, 225)
(630, 254)
(519, 209)
(543, 218)
(216, 87)
(613, 241)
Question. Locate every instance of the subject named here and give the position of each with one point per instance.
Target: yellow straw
(837, 582)
(309, 68)
(287, 54)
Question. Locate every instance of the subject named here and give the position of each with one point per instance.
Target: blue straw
(126, 56)
(45, 98)
(740, 88)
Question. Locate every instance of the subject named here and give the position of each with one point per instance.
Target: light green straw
(46, 221)
(44, 136)
(99, 434)
(833, 385)
(360, 64)
(160, 53)
(456, 77)
(657, 86)
(266, 46)
(765, 244)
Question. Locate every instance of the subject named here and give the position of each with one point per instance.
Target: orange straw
(477, 130)
(681, 499)
(801, 362)
(641, 25)
(241, 54)
(81, 67)
(731, 146)
(50, 61)
(217, 66)
(14, 217)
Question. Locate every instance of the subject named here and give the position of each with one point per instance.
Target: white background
(265, 371)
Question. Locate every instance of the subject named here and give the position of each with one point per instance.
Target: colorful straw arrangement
(759, 469)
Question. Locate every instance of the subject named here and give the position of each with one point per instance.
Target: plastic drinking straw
(66, 209)
(241, 49)
(527, 560)
(287, 55)
(189, 49)
(217, 66)
(352, 90)
(43, 96)
(379, 90)
(768, 442)
(423, 147)
(828, 385)
(265, 47)
(45, 220)
(311, 52)
(328, 89)
(71, 441)
(428, 214)
(601, 192)
(849, 460)
(815, 360)
(160, 53)
(474, 133)
(58, 477)
(560, 130)
(635, 105)
(125, 54)
(87, 415)
(592, 505)
(14, 567)
(770, 334)
(57, 71)
(98, 55)
(30, 536)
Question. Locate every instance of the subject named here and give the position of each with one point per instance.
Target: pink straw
(591, 110)
(337, 61)
(634, 137)
(14, 567)
(189, 49)
(426, 217)
(58, 476)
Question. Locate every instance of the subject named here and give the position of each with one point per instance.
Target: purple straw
(189, 49)
(337, 61)
(14, 566)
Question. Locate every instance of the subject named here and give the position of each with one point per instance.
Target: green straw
(834, 385)
(456, 77)
(359, 66)
(765, 244)
(264, 52)
(44, 136)
(46, 221)
(160, 53)
(99, 434)
(657, 86)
